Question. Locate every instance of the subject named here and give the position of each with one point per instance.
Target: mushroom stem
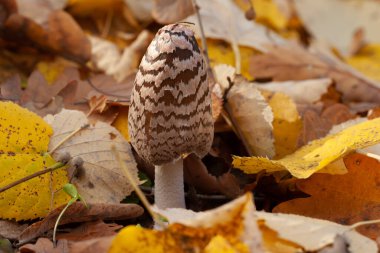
(169, 186)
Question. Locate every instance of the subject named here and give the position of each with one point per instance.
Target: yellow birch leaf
(121, 123)
(367, 61)
(24, 139)
(317, 154)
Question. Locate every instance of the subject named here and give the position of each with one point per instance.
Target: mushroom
(170, 110)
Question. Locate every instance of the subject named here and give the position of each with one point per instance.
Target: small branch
(363, 223)
(203, 38)
(36, 174)
(67, 137)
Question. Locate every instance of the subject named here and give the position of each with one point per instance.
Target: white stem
(169, 186)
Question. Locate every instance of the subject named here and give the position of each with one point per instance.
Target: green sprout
(72, 191)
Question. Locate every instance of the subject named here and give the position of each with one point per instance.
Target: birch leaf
(24, 137)
(101, 180)
(317, 154)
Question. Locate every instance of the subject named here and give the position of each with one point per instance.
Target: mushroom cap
(170, 111)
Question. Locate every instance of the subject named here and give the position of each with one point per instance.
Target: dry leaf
(320, 18)
(367, 61)
(313, 234)
(45, 245)
(295, 63)
(11, 229)
(308, 91)
(171, 11)
(235, 222)
(317, 154)
(78, 212)
(106, 55)
(222, 19)
(252, 117)
(100, 179)
(90, 230)
(345, 199)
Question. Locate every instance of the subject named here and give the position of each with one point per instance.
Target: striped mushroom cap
(170, 110)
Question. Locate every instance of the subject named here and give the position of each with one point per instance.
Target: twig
(363, 223)
(36, 174)
(156, 217)
(203, 38)
(68, 137)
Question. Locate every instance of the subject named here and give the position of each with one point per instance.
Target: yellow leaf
(317, 154)
(267, 13)
(51, 69)
(367, 61)
(287, 123)
(24, 137)
(229, 228)
(221, 52)
(121, 123)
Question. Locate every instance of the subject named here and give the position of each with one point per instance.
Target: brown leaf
(45, 245)
(171, 11)
(61, 34)
(98, 245)
(77, 212)
(90, 230)
(345, 199)
(196, 174)
(296, 63)
(10, 229)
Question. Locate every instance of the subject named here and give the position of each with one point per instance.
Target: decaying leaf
(313, 234)
(320, 18)
(317, 154)
(308, 91)
(90, 230)
(252, 117)
(78, 212)
(367, 61)
(24, 141)
(222, 19)
(234, 224)
(106, 55)
(171, 11)
(296, 63)
(11, 229)
(286, 123)
(100, 179)
(345, 199)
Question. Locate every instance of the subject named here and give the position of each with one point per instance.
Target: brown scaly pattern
(170, 111)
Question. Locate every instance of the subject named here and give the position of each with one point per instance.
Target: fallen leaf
(307, 91)
(11, 229)
(345, 199)
(317, 154)
(60, 34)
(287, 123)
(250, 113)
(24, 139)
(222, 19)
(78, 212)
(90, 230)
(313, 234)
(235, 222)
(171, 11)
(45, 245)
(106, 56)
(100, 169)
(367, 61)
(87, 7)
(296, 63)
(101, 244)
(320, 18)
